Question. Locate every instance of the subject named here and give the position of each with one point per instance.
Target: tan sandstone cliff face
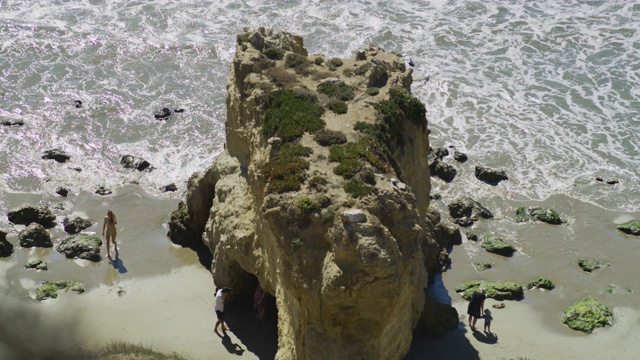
(348, 276)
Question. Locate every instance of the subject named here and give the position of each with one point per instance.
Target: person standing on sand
(110, 222)
(221, 299)
(476, 307)
(488, 319)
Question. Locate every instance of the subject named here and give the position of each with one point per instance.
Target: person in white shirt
(221, 299)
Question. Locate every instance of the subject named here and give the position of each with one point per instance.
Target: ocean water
(547, 91)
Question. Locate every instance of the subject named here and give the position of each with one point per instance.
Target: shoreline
(166, 295)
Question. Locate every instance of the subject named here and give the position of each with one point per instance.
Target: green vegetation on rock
(586, 315)
(631, 227)
(49, 289)
(483, 266)
(392, 113)
(351, 155)
(590, 265)
(496, 245)
(37, 264)
(327, 137)
(120, 350)
(297, 62)
(274, 53)
(372, 91)
(317, 182)
(549, 216)
(337, 89)
(541, 283)
(338, 107)
(289, 115)
(307, 205)
(296, 244)
(286, 171)
(357, 188)
(496, 290)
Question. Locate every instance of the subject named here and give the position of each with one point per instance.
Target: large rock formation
(339, 234)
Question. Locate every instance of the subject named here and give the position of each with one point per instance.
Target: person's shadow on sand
(118, 264)
(231, 347)
(487, 338)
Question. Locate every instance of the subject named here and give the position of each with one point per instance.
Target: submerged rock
(133, 162)
(81, 246)
(496, 245)
(103, 191)
(36, 264)
(171, 187)
(62, 191)
(490, 176)
(483, 266)
(631, 227)
(34, 235)
(76, 224)
(586, 315)
(541, 283)
(442, 170)
(460, 157)
(12, 123)
(162, 114)
(548, 216)
(27, 214)
(6, 248)
(495, 290)
(57, 155)
(49, 289)
(590, 265)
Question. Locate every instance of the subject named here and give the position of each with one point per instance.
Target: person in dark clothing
(476, 308)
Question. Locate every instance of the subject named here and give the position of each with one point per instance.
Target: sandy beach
(159, 295)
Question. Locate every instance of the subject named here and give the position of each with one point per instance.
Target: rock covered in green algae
(37, 264)
(586, 315)
(496, 245)
(81, 246)
(632, 227)
(482, 266)
(549, 216)
(49, 289)
(541, 283)
(590, 265)
(496, 290)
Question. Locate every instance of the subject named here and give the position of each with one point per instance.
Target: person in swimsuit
(109, 225)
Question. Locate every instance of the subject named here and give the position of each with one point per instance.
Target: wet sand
(156, 294)
(159, 295)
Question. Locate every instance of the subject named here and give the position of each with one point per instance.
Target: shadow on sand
(259, 337)
(118, 264)
(487, 338)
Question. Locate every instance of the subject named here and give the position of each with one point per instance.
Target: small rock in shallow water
(170, 187)
(178, 110)
(163, 114)
(78, 104)
(62, 191)
(103, 191)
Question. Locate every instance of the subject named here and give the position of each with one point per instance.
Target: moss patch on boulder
(586, 315)
(496, 245)
(286, 171)
(541, 283)
(496, 290)
(82, 246)
(549, 216)
(36, 264)
(352, 156)
(482, 266)
(590, 265)
(631, 227)
(49, 289)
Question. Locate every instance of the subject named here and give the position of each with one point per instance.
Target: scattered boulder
(6, 248)
(34, 235)
(178, 110)
(62, 191)
(438, 318)
(490, 176)
(549, 216)
(471, 236)
(442, 170)
(162, 114)
(36, 264)
(27, 214)
(466, 211)
(590, 265)
(496, 245)
(440, 153)
(632, 227)
(12, 123)
(103, 191)
(607, 181)
(482, 266)
(171, 187)
(57, 155)
(49, 289)
(133, 162)
(78, 104)
(586, 315)
(181, 227)
(81, 246)
(76, 224)
(541, 283)
(460, 157)
(495, 290)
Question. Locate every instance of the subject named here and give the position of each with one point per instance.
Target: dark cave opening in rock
(259, 336)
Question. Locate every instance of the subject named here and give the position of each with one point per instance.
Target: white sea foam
(546, 90)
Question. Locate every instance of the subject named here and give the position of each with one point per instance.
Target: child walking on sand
(487, 321)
